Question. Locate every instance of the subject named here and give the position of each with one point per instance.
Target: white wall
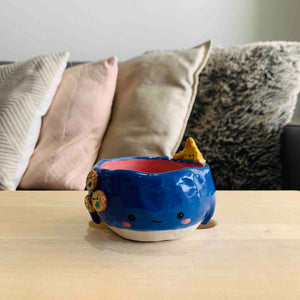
(95, 29)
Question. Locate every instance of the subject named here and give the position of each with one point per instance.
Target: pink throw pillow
(73, 128)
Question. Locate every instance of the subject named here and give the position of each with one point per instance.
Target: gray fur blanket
(246, 95)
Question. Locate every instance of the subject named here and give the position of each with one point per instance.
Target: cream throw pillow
(154, 97)
(26, 92)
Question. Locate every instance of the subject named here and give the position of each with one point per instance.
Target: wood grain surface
(49, 249)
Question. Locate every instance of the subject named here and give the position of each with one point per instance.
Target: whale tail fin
(209, 214)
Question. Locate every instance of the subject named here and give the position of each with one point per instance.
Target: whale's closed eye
(131, 217)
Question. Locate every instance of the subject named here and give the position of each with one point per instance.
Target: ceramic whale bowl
(150, 198)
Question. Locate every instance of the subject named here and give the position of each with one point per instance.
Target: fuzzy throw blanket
(246, 95)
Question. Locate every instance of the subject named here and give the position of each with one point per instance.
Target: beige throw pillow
(154, 97)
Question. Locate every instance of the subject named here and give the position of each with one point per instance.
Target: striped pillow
(26, 92)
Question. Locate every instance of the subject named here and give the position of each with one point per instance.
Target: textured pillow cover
(73, 128)
(246, 95)
(26, 92)
(154, 97)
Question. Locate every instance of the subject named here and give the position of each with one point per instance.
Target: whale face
(170, 213)
(155, 202)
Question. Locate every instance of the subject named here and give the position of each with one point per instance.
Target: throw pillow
(26, 92)
(246, 95)
(154, 97)
(73, 128)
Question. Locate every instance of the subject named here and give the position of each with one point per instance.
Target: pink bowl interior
(147, 165)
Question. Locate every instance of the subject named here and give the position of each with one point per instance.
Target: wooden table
(49, 249)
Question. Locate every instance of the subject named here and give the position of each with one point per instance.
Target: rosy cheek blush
(126, 224)
(186, 221)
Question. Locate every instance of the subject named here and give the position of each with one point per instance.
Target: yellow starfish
(190, 152)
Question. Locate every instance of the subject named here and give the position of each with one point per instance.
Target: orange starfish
(190, 152)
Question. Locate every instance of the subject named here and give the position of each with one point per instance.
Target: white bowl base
(154, 235)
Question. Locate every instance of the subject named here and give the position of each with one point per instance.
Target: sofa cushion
(73, 128)
(26, 92)
(246, 95)
(154, 97)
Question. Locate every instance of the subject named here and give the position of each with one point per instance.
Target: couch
(289, 145)
(290, 154)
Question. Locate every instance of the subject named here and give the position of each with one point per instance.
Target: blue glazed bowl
(151, 198)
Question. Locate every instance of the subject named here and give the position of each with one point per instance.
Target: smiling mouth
(156, 221)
